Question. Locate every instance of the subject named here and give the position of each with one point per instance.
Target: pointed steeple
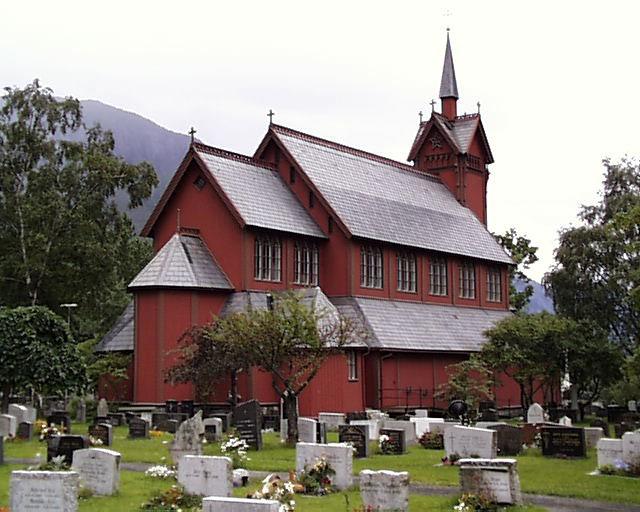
(448, 84)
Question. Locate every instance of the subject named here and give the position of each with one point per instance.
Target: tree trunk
(233, 399)
(6, 394)
(290, 404)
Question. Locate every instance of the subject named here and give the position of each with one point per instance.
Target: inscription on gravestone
(566, 441)
(248, 420)
(103, 432)
(65, 445)
(138, 428)
(60, 419)
(25, 430)
(509, 439)
(357, 436)
(397, 440)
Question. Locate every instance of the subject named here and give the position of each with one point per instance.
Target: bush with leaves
(432, 441)
(173, 499)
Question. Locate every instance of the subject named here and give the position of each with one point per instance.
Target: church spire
(448, 84)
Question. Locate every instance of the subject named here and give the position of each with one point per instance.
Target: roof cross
(270, 116)
(433, 105)
(478, 107)
(420, 114)
(192, 132)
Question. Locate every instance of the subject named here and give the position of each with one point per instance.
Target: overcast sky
(558, 81)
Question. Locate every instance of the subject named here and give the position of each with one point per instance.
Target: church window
(199, 183)
(306, 259)
(438, 277)
(407, 281)
(267, 259)
(352, 364)
(292, 174)
(371, 267)
(467, 274)
(494, 285)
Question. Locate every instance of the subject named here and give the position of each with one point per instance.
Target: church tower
(454, 147)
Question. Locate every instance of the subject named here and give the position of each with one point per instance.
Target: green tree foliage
(37, 353)
(62, 239)
(597, 271)
(470, 381)
(113, 366)
(524, 255)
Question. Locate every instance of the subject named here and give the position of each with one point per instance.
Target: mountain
(540, 301)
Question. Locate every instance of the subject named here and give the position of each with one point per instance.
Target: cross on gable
(433, 105)
(270, 116)
(192, 132)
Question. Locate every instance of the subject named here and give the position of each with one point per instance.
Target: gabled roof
(401, 325)
(121, 336)
(183, 262)
(381, 199)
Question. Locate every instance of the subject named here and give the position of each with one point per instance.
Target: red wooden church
(401, 248)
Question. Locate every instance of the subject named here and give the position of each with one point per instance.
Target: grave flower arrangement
(622, 468)
(432, 441)
(385, 445)
(316, 479)
(274, 488)
(49, 431)
(173, 499)
(161, 472)
(236, 449)
(475, 503)
(94, 441)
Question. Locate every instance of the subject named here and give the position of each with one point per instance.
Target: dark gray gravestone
(248, 421)
(622, 428)
(598, 422)
(169, 425)
(102, 431)
(564, 441)
(138, 428)
(25, 431)
(178, 416)
(397, 440)
(65, 445)
(187, 407)
(171, 406)
(226, 418)
(321, 432)
(510, 439)
(117, 419)
(211, 433)
(157, 418)
(60, 418)
(271, 421)
(615, 412)
(354, 416)
(357, 436)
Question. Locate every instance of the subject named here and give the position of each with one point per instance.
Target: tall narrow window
(371, 267)
(407, 281)
(467, 273)
(312, 199)
(306, 263)
(438, 278)
(267, 259)
(352, 365)
(292, 174)
(494, 285)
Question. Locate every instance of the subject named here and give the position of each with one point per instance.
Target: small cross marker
(270, 116)
(478, 107)
(192, 132)
(433, 105)
(420, 114)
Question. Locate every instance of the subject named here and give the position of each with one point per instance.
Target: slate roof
(448, 83)
(400, 325)
(121, 336)
(381, 199)
(257, 192)
(183, 262)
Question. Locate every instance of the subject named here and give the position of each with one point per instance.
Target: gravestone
(103, 432)
(102, 410)
(158, 418)
(614, 413)
(632, 405)
(372, 425)
(25, 431)
(338, 455)
(385, 490)
(421, 425)
(357, 416)
(609, 451)
(284, 429)
(271, 422)
(357, 436)
(631, 447)
(408, 427)
(212, 429)
(206, 476)
(592, 435)
(18, 411)
(422, 413)
(44, 491)
(138, 428)
(169, 425)
(218, 504)
(31, 414)
(248, 420)
(307, 430)
(226, 417)
(60, 419)
(332, 419)
(621, 428)
(81, 412)
(171, 406)
(397, 442)
(471, 442)
(509, 439)
(99, 470)
(117, 419)
(565, 421)
(565, 441)
(321, 433)
(602, 424)
(497, 478)
(535, 414)
(65, 445)
(8, 425)
(187, 407)
(187, 440)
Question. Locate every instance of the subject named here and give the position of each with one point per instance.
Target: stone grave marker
(614, 413)
(217, 504)
(566, 441)
(171, 406)
(212, 429)
(421, 425)
(44, 491)
(338, 455)
(609, 451)
(103, 432)
(158, 418)
(357, 415)
(8, 425)
(117, 419)
(65, 445)
(60, 419)
(357, 436)
(385, 490)
(408, 427)
(422, 413)
(592, 435)
(307, 428)
(372, 425)
(138, 428)
(631, 447)
(397, 440)
(81, 412)
(535, 414)
(99, 470)
(187, 440)
(226, 417)
(621, 428)
(497, 478)
(31, 414)
(284, 429)
(25, 431)
(332, 419)
(471, 442)
(248, 422)
(509, 438)
(598, 422)
(18, 411)
(632, 405)
(178, 416)
(321, 433)
(206, 476)
(187, 407)
(169, 425)
(565, 421)
(102, 410)
(270, 422)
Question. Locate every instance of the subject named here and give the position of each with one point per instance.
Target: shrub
(475, 503)
(317, 478)
(432, 441)
(171, 500)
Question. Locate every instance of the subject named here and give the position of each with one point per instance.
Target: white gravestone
(44, 491)
(307, 430)
(212, 428)
(372, 425)
(592, 435)
(31, 414)
(385, 490)
(535, 414)
(565, 421)
(437, 425)
(631, 447)
(99, 470)
(215, 504)
(338, 455)
(632, 405)
(609, 451)
(332, 419)
(284, 429)
(206, 476)
(496, 477)
(8, 425)
(187, 440)
(19, 411)
(422, 413)
(471, 442)
(408, 427)
(421, 424)
(103, 408)
(197, 417)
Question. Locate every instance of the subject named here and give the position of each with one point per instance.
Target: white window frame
(467, 273)
(306, 264)
(371, 267)
(267, 259)
(407, 272)
(438, 276)
(494, 284)
(352, 365)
